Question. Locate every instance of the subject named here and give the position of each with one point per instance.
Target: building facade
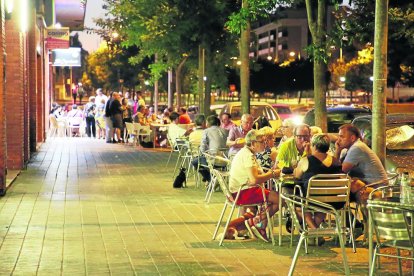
(26, 90)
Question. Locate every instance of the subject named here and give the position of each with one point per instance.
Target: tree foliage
(400, 36)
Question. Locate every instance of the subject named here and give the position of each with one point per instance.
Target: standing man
(359, 160)
(294, 148)
(236, 136)
(81, 92)
(108, 121)
(89, 115)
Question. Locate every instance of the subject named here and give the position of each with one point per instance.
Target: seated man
(235, 140)
(357, 158)
(318, 163)
(184, 118)
(195, 136)
(293, 149)
(245, 170)
(213, 139)
(174, 131)
(140, 117)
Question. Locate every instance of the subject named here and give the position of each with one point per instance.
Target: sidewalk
(87, 207)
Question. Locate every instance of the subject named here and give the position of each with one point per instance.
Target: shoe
(260, 233)
(2, 192)
(289, 224)
(320, 241)
(249, 228)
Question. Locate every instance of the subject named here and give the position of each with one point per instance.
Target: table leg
(280, 212)
(370, 242)
(154, 131)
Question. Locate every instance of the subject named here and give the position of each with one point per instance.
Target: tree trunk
(244, 67)
(200, 73)
(317, 27)
(380, 78)
(170, 95)
(207, 83)
(178, 81)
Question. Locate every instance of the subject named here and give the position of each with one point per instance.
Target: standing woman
(116, 116)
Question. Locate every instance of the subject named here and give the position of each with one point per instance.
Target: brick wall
(15, 94)
(3, 136)
(32, 81)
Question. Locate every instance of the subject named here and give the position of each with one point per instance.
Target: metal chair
(308, 204)
(215, 159)
(184, 155)
(173, 146)
(231, 201)
(392, 225)
(333, 188)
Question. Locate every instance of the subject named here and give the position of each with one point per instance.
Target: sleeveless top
(264, 160)
(316, 167)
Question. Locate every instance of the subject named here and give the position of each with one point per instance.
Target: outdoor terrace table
(392, 201)
(155, 127)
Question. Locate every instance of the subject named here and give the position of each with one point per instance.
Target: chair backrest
(137, 127)
(294, 202)
(216, 159)
(53, 121)
(145, 130)
(129, 127)
(223, 182)
(390, 223)
(75, 121)
(329, 188)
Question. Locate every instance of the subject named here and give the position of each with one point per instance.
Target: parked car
(256, 109)
(285, 112)
(400, 142)
(337, 116)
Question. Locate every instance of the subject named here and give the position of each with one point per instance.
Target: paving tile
(84, 207)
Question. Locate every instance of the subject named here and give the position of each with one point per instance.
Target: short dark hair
(225, 113)
(174, 116)
(200, 119)
(351, 129)
(183, 109)
(212, 120)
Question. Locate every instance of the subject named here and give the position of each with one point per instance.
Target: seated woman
(245, 170)
(318, 163)
(267, 158)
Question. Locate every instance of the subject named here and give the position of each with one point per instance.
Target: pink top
(228, 126)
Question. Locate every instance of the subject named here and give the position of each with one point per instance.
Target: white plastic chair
(131, 133)
(73, 124)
